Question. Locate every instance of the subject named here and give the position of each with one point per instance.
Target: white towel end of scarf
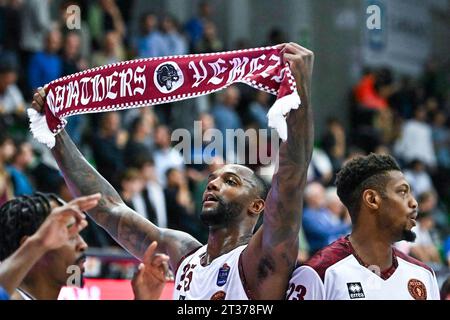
(39, 128)
(278, 111)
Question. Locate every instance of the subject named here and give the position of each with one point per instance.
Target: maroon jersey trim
(341, 249)
(329, 256)
(184, 257)
(412, 260)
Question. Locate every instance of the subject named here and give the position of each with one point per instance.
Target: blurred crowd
(133, 150)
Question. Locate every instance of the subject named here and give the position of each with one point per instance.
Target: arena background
(368, 85)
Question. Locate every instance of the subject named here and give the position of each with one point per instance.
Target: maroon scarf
(144, 82)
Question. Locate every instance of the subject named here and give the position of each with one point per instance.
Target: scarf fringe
(39, 128)
(277, 113)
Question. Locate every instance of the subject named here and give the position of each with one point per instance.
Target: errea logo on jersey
(355, 290)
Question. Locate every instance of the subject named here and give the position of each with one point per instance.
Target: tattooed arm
(133, 232)
(274, 248)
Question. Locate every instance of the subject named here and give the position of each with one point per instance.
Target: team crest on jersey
(219, 295)
(417, 289)
(355, 290)
(222, 277)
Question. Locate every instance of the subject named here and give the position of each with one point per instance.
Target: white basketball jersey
(220, 280)
(337, 273)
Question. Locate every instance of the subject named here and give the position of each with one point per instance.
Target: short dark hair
(7, 64)
(142, 160)
(362, 173)
(170, 170)
(130, 174)
(21, 217)
(138, 121)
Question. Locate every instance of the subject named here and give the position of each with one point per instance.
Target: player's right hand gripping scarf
(144, 82)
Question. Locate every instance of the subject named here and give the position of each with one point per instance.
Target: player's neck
(40, 288)
(223, 240)
(372, 250)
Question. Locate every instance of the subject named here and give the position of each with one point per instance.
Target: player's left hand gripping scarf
(143, 82)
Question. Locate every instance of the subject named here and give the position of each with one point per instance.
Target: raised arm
(274, 247)
(133, 232)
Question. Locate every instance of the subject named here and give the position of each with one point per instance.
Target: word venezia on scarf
(144, 82)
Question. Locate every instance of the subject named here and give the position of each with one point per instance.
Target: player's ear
(371, 199)
(257, 206)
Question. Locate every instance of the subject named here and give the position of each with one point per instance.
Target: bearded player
(365, 264)
(234, 264)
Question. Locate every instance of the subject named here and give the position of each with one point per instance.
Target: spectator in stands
(7, 150)
(180, 205)
(318, 221)
(336, 207)
(195, 27)
(36, 24)
(153, 192)
(424, 248)
(45, 173)
(132, 185)
(405, 100)
(418, 178)
(107, 147)
(416, 140)
(210, 42)
(11, 28)
(371, 116)
(373, 89)
(320, 169)
(225, 115)
(275, 36)
(112, 50)
(434, 80)
(12, 103)
(71, 54)
(428, 202)
(175, 42)
(200, 155)
(165, 156)
(334, 143)
(447, 251)
(150, 43)
(141, 141)
(46, 65)
(66, 17)
(131, 114)
(103, 17)
(258, 109)
(21, 160)
(441, 139)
